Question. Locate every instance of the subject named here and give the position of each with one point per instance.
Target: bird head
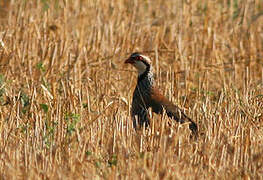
(139, 61)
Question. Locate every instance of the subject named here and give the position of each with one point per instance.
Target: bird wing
(171, 109)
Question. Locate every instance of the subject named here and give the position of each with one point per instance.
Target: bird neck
(146, 79)
(144, 75)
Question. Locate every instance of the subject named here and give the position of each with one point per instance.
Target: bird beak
(129, 61)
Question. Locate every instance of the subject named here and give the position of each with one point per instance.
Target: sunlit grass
(65, 93)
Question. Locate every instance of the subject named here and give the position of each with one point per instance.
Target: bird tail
(180, 117)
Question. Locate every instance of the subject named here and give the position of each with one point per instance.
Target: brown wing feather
(160, 102)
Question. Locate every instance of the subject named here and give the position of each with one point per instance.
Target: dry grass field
(65, 92)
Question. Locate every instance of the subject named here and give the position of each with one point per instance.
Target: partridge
(147, 95)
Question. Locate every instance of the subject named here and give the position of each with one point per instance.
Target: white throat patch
(140, 66)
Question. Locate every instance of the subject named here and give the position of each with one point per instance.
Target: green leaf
(85, 105)
(45, 5)
(40, 67)
(88, 153)
(113, 161)
(72, 120)
(44, 107)
(25, 99)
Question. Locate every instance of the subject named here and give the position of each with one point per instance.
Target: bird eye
(139, 58)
